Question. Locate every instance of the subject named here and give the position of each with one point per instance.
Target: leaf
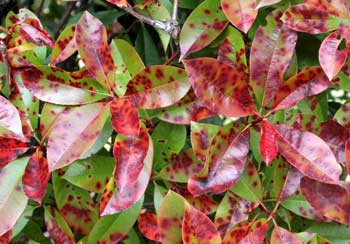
(342, 115)
(54, 85)
(36, 176)
(74, 204)
(308, 153)
(332, 201)
(264, 3)
(115, 228)
(197, 227)
(91, 173)
(268, 142)
(291, 183)
(148, 226)
(49, 114)
(231, 211)
(30, 30)
(10, 122)
(10, 149)
(220, 87)
(282, 236)
(6, 238)
(12, 198)
(57, 227)
(308, 82)
(271, 52)
(65, 45)
(130, 153)
(240, 13)
(158, 86)
(196, 33)
(121, 199)
(226, 160)
(332, 231)
(119, 3)
(146, 47)
(74, 132)
(91, 39)
(331, 58)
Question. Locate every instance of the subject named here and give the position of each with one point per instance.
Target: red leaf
(10, 121)
(6, 238)
(32, 32)
(331, 58)
(125, 119)
(36, 177)
(91, 39)
(119, 3)
(347, 155)
(148, 226)
(130, 153)
(65, 45)
(270, 55)
(282, 236)
(220, 87)
(227, 158)
(291, 183)
(308, 153)
(196, 226)
(10, 149)
(333, 201)
(310, 81)
(268, 142)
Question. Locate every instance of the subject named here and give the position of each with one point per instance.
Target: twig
(3, 49)
(172, 58)
(38, 12)
(175, 8)
(64, 19)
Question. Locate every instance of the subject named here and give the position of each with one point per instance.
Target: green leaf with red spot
(268, 142)
(57, 227)
(148, 226)
(49, 114)
(170, 218)
(283, 236)
(231, 211)
(220, 87)
(10, 121)
(201, 138)
(308, 82)
(57, 86)
(158, 86)
(125, 119)
(249, 233)
(342, 116)
(91, 174)
(226, 160)
(91, 40)
(65, 45)
(202, 26)
(36, 177)
(116, 199)
(313, 17)
(74, 132)
(115, 228)
(74, 204)
(198, 228)
(12, 197)
(20, 57)
(10, 149)
(333, 201)
(331, 58)
(308, 153)
(271, 52)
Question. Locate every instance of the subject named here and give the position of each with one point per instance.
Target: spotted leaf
(158, 86)
(271, 52)
(74, 132)
(31, 31)
(308, 82)
(220, 87)
(65, 45)
(91, 40)
(10, 149)
(264, 3)
(196, 33)
(268, 139)
(49, 114)
(342, 115)
(226, 161)
(333, 201)
(291, 183)
(308, 153)
(119, 3)
(283, 236)
(148, 226)
(10, 121)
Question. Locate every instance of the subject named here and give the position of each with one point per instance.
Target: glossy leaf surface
(268, 142)
(10, 122)
(282, 236)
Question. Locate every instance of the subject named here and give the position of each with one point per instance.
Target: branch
(3, 49)
(64, 18)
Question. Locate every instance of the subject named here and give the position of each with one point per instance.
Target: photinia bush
(207, 122)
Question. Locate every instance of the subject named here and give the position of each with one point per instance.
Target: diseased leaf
(65, 45)
(31, 31)
(220, 87)
(196, 33)
(10, 149)
(291, 183)
(158, 86)
(271, 52)
(333, 201)
(36, 176)
(6, 238)
(119, 3)
(49, 114)
(74, 132)
(268, 142)
(10, 122)
(91, 39)
(241, 13)
(308, 153)
(264, 3)
(342, 115)
(282, 236)
(197, 227)
(148, 226)
(308, 82)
